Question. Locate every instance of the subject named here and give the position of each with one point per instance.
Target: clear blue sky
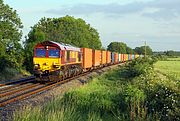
(130, 21)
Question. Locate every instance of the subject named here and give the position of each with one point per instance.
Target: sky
(131, 21)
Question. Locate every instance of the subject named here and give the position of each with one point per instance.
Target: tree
(141, 50)
(10, 35)
(66, 29)
(129, 50)
(119, 47)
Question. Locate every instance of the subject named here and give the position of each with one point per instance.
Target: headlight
(36, 66)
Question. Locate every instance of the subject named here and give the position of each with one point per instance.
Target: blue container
(112, 57)
(132, 56)
(129, 58)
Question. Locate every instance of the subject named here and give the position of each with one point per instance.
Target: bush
(139, 66)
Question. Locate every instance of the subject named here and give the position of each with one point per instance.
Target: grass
(174, 59)
(103, 99)
(171, 68)
(116, 96)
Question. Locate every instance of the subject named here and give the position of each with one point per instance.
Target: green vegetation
(172, 53)
(169, 53)
(11, 51)
(141, 50)
(131, 92)
(119, 47)
(174, 59)
(171, 67)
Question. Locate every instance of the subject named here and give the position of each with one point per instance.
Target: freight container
(132, 56)
(119, 57)
(103, 57)
(112, 57)
(87, 57)
(122, 57)
(125, 57)
(96, 57)
(108, 57)
(129, 57)
(116, 57)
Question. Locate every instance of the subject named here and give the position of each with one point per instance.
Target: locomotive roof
(61, 45)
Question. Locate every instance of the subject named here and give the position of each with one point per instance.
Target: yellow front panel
(47, 63)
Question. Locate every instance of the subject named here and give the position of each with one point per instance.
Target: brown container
(87, 57)
(123, 56)
(108, 57)
(103, 57)
(96, 57)
(116, 57)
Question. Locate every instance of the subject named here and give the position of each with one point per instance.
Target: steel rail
(14, 86)
(16, 81)
(46, 87)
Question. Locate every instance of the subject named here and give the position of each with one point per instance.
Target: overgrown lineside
(132, 92)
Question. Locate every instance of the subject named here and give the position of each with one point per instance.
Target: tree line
(121, 47)
(67, 29)
(169, 53)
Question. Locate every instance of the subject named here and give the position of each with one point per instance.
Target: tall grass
(119, 95)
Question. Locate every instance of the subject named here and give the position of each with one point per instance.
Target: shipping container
(132, 56)
(116, 57)
(103, 57)
(119, 57)
(97, 57)
(108, 57)
(112, 57)
(87, 57)
(129, 57)
(122, 57)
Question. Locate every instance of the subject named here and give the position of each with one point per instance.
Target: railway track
(10, 87)
(24, 91)
(17, 81)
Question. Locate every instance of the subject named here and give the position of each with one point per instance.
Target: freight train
(57, 61)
